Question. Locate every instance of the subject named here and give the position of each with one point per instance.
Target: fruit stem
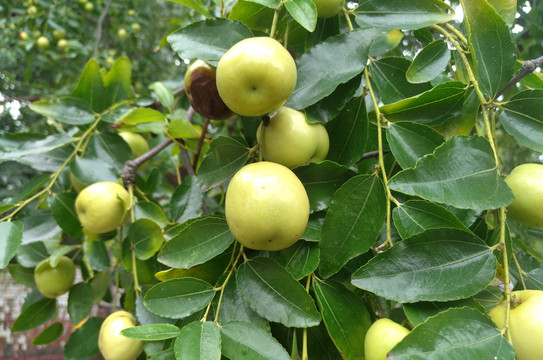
(135, 271)
(348, 19)
(223, 286)
(520, 271)
(304, 339)
(275, 20)
(506, 280)
(200, 143)
(380, 117)
(117, 263)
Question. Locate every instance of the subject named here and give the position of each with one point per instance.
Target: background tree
(428, 105)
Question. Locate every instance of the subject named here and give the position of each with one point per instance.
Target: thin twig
(371, 154)
(526, 69)
(99, 27)
(200, 143)
(128, 174)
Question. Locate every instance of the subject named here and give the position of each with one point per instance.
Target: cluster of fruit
(266, 204)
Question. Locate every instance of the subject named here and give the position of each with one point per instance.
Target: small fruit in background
(137, 143)
(132, 12)
(58, 34)
(201, 89)
(328, 8)
(31, 10)
(381, 337)
(525, 322)
(54, 281)
(256, 76)
(266, 206)
(89, 6)
(136, 27)
(42, 42)
(122, 34)
(526, 182)
(23, 35)
(290, 140)
(103, 206)
(110, 60)
(77, 185)
(112, 344)
(62, 44)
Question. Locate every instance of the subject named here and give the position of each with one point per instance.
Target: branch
(99, 27)
(526, 69)
(128, 174)
(371, 154)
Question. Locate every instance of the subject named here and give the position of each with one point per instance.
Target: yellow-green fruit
(62, 44)
(110, 60)
(31, 10)
(525, 323)
(54, 281)
(42, 42)
(266, 206)
(256, 76)
(89, 6)
(135, 27)
(526, 182)
(112, 344)
(290, 140)
(58, 34)
(122, 34)
(328, 8)
(23, 35)
(131, 12)
(138, 144)
(381, 337)
(102, 206)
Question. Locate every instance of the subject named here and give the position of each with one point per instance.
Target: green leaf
(151, 332)
(245, 340)
(253, 15)
(39, 225)
(233, 308)
(432, 107)
(96, 255)
(419, 312)
(164, 94)
(49, 334)
(140, 116)
(450, 333)
(118, 81)
(151, 210)
(29, 255)
(348, 133)
(352, 222)
(90, 87)
(492, 44)
(22, 275)
(429, 62)
(304, 12)
(410, 141)
(178, 298)
(329, 108)
(506, 8)
(300, 259)
(197, 5)
(344, 315)
(83, 342)
(199, 340)
(80, 301)
(275, 295)
(35, 314)
(416, 216)
(389, 76)
(404, 15)
(385, 42)
(268, 3)
(11, 235)
(321, 180)
(436, 265)
(62, 207)
(67, 110)
(184, 129)
(223, 159)
(15, 146)
(207, 40)
(197, 243)
(186, 201)
(522, 118)
(461, 173)
(89, 171)
(320, 70)
(146, 238)
(109, 148)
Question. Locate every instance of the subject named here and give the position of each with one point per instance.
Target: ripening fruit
(381, 337)
(112, 344)
(54, 281)
(23, 35)
(62, 44)
(328, 8)
(526, 182)
(122, 34)
(266, 206)
(42, 42)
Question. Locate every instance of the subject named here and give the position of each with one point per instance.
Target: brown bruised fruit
(201, 89)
